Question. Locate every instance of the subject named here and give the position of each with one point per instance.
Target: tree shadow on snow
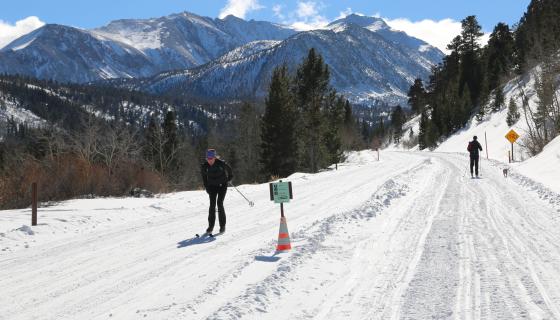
(194, 241)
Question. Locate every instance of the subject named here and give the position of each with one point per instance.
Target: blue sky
(431, 20)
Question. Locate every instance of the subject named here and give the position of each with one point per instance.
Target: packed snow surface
(407, 237)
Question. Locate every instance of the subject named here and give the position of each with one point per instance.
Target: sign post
(512, 136)
(281, 192)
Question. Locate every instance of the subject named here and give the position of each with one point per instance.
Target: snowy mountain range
(367, 59)
(222, 59)
(130, 48)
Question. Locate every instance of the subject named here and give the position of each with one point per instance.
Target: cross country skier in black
(473, 148)
(216, 174)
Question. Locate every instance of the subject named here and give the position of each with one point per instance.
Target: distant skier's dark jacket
(216, 175)
(473, 148)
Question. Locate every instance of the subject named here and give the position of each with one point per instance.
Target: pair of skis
(208, 234)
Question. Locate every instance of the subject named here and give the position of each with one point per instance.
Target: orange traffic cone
(283, 237)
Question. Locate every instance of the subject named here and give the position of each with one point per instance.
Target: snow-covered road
(410, 237)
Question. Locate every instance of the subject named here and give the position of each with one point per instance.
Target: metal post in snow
(486, 145)
(512, 152)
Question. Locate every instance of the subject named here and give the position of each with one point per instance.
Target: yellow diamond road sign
(512, 136)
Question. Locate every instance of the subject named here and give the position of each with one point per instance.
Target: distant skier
(473, 148)
(216, 174)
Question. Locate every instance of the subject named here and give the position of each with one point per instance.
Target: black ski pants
(216, 193)
(474, 162)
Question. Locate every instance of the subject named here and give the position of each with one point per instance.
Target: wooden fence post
(34, 204)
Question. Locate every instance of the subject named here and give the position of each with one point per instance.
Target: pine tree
(348, 118)
(380, 130)
(365, 130)
(500, 55)
(397, 120)
(457, 86)
(153, 146)
(170, 140)
(513, 113)
(335, 122)
(423, 131)
(278, 131)
(416, 96)
(470, 34)
(538, 33)
(312, 88)
(499, 100)
(469, 49)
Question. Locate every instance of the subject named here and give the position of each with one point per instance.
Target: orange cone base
(283, 247)
(284, 243)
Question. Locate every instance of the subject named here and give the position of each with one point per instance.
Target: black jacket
(474, 148)
(216, 175)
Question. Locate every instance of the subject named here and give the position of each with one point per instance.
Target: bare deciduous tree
(85, 142)
(543, 122)
(119, 143)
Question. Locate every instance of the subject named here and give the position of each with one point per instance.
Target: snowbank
(545, 167)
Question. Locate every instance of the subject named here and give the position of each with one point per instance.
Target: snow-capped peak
(371, 23)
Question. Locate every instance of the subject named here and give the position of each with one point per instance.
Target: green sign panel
(280, 192)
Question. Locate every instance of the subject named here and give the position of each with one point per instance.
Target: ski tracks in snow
(493, 252)
(509, 247)
(428, 244)
(423, 243)
(330, 261)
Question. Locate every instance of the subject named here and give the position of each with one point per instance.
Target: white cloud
(306, 9)
(240, 8)
(437, 33)
(308, 16)
(9, 32)
(277, 9)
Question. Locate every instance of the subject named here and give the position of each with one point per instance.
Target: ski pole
(251, 203)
